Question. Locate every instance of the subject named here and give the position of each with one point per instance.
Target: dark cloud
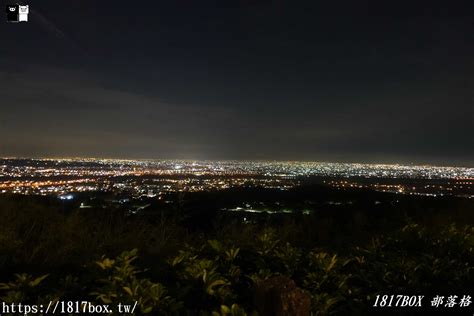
(240, 80)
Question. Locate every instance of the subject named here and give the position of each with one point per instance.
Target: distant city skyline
(153, 178)
(388, 163)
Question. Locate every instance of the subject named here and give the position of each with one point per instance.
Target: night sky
(248, 79)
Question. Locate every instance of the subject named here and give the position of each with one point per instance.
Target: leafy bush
(172, 270)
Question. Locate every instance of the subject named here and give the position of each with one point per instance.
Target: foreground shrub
(225, 278)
